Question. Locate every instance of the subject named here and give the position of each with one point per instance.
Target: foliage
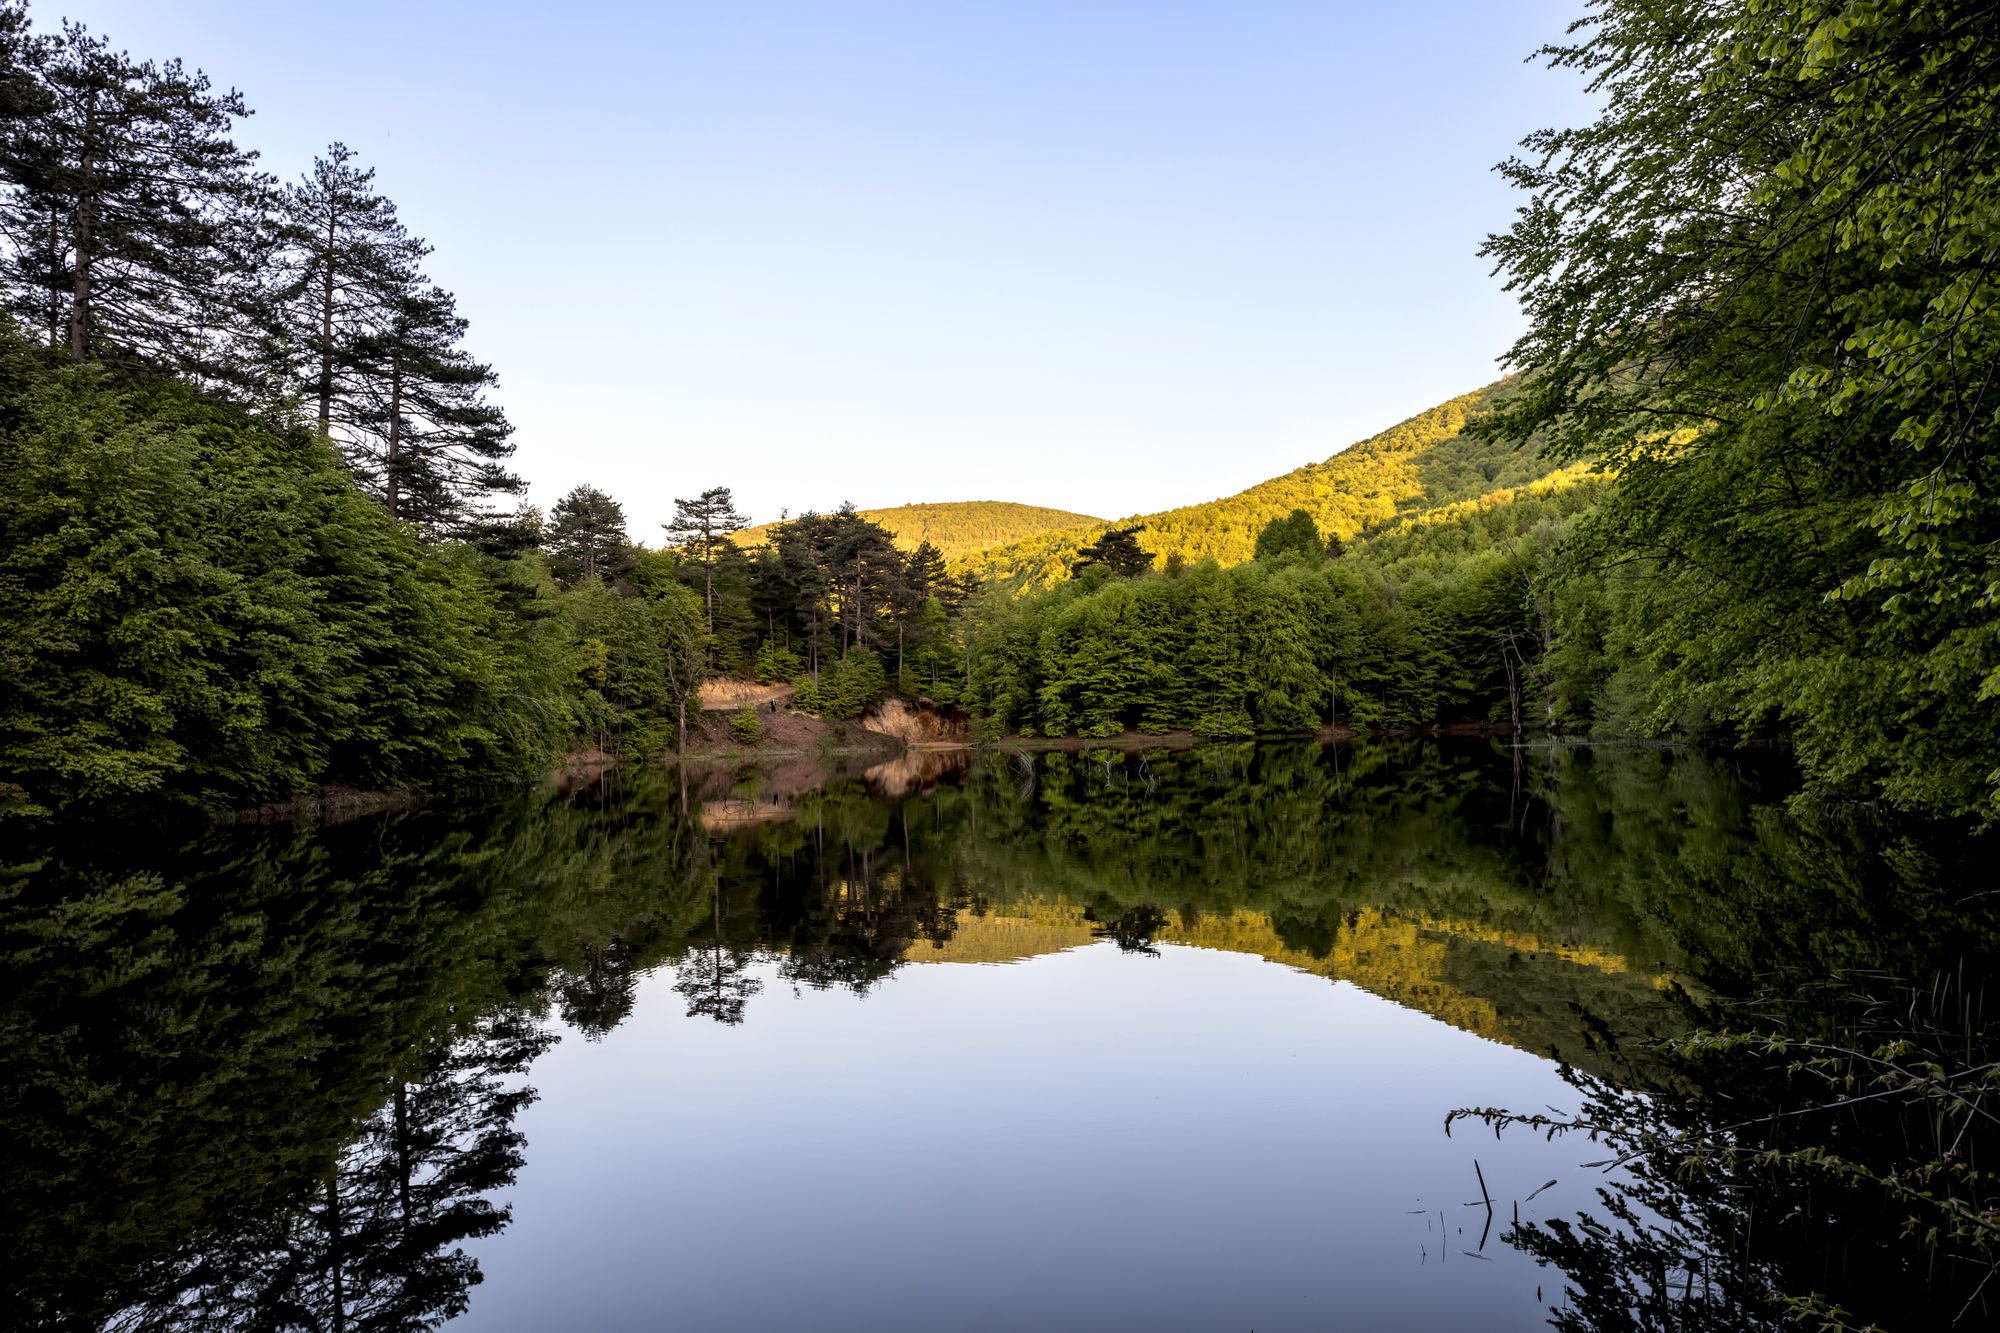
(132, 220)
(197, 606)
(200, 609)
(744, 728)
(585, 537)
(776, 662)
(823, 585)
(1759, 289)
(845, 688)
(133, 230)
(1445, 617)
(702, 526)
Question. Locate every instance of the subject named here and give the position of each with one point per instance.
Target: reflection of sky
(1200, 1140)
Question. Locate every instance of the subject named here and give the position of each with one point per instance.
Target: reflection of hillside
(1504, 986)
(1026, 930)
(737, 812)
(916, 770)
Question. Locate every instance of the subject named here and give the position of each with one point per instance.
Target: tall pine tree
(347, 262)
(700, 526)
(133, 224)
(586, 537)
(433, 439)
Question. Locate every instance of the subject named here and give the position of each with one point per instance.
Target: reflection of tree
(713, 978)
(844, 896)
(376, 1242)
(1820, 1145)
(217, 1110)
(597, 996)
(1133, 929)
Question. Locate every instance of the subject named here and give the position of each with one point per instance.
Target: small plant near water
(745, 728)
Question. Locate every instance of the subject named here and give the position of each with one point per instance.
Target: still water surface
(1152, 1041)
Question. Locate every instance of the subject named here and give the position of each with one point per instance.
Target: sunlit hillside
(962, 527)
(1420, 463)
(1468, 973)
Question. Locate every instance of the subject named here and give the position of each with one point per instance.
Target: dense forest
(1447, 618)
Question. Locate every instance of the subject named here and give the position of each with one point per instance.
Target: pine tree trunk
(55, 289)
(395, 478)
(86, 216)
(326, 330)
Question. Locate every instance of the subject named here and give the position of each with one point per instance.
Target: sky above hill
(1106, 256)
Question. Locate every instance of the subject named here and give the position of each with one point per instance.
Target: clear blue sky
(1102, 256)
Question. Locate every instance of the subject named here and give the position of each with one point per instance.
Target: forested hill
(961, 528)
(1417, 464)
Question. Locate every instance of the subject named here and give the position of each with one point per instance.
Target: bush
(846, 687)
(745, 728)
(775, 663)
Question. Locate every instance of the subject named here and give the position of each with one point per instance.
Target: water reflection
(275, 1078)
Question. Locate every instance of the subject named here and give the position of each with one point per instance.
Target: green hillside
(960, 528)
(1418, 464)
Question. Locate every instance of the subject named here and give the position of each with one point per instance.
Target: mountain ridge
(957, 528)
(1422, 462)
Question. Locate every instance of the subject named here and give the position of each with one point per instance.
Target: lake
(1160, 1040)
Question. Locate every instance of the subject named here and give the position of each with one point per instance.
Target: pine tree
(348, 264)
(133, 224)
(1118, 551)
(699, 526)
(424, 414)
(586, 535)
(923, 578)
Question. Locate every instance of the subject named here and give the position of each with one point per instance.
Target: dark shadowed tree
(1118, 551)
(345, 264)
(586, 537)
(133, 222)
(440, 444)
(1296, 533)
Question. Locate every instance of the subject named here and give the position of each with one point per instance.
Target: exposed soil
(919, 724)
(727, 692)
(786, 733)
